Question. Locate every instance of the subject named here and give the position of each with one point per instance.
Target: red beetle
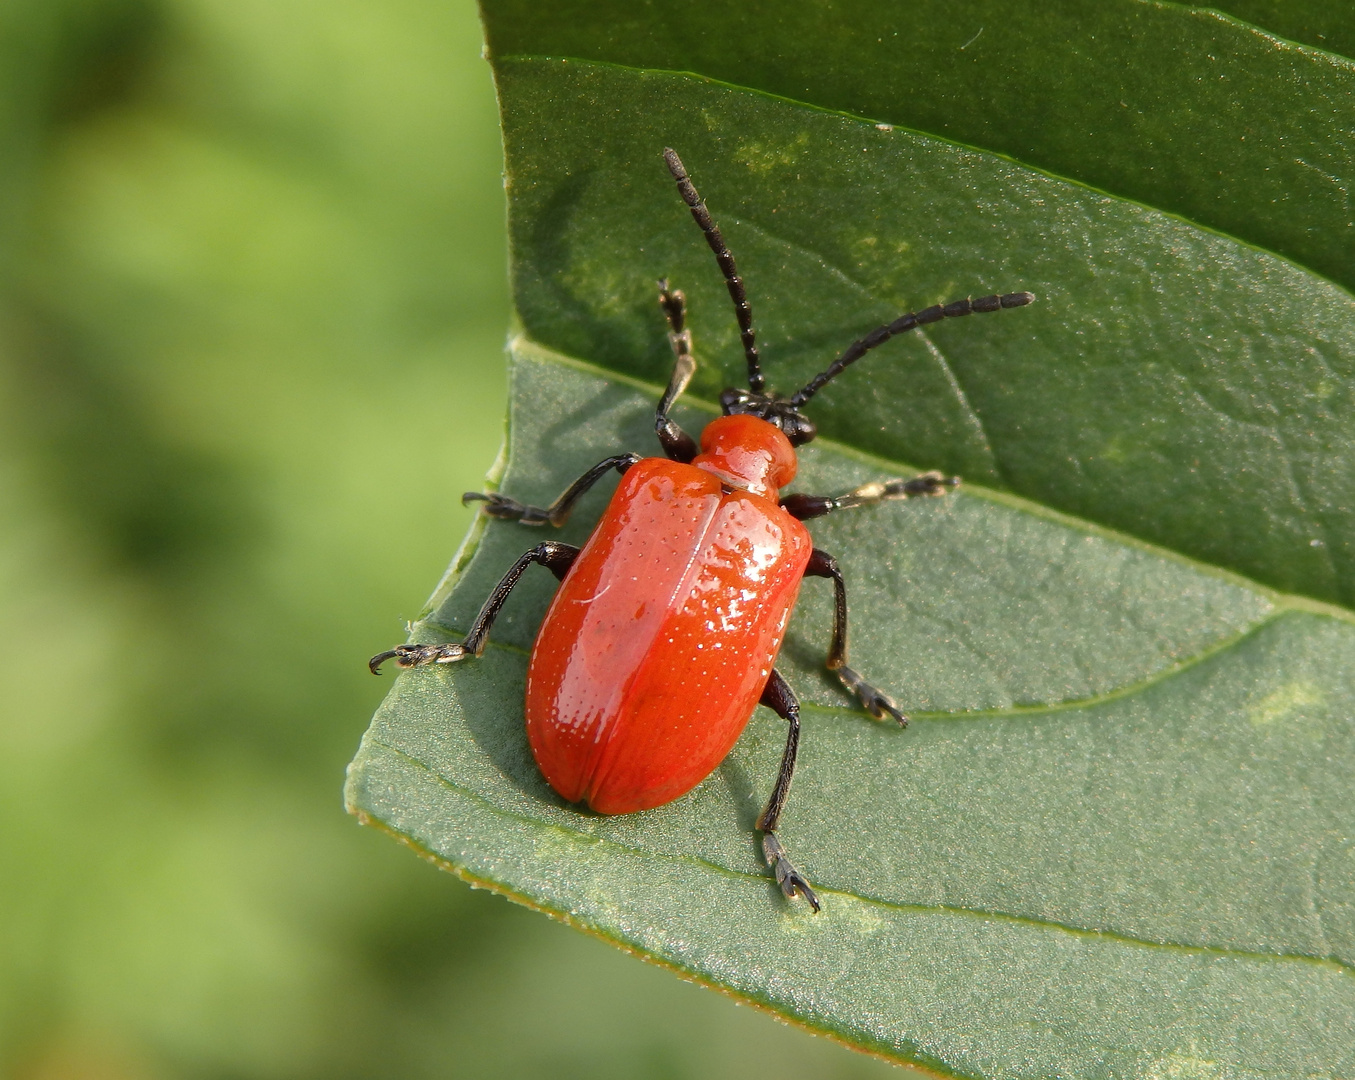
(664, 633)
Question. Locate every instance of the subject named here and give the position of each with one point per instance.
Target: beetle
(663, 635)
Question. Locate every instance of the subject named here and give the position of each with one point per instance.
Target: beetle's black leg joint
(676, 443)
(780, 698)
(557, 558)
(557, 513)
(805, 507)
(876, 702)
(743, 311)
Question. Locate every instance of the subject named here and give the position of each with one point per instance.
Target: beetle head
(739, 402)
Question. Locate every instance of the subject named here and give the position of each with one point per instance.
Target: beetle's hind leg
(805, 507)
(557, 558)
(557, 513)
(780, 698)
(877, 703)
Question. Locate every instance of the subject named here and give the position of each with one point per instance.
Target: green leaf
(1135, 851)
(1118, 838)
(1171, 382)
(1180, 108)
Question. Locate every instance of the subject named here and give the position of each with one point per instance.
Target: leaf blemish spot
(1284, 703)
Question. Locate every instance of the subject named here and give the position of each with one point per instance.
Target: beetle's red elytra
(685, 588)
(664, 633)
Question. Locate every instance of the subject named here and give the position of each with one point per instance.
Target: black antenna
(742, 309)
(913, 319)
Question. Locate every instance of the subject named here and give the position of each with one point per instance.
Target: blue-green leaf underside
(1117, 839)
(1070, 874)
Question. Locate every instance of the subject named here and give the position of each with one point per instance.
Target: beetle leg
(805, 507)
(877, 703)
(677, 444)
(557, 558)
(557, 513)
(780, 698)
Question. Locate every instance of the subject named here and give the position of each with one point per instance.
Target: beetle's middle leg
(557, 513)
(805, 507)
(557, 558)
(877, 703)
(780, 698)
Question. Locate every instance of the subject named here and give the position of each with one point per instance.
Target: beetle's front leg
(676, 443)
(805, 507)
(780, 698)
(557, 558)
(557, 513)
(877, 702)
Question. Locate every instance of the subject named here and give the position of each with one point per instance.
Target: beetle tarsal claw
(876, 702)
(929, 483)
(409, 656)
(506, 509)
(792, 882)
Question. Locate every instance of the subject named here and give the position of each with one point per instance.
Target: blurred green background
(252, 307)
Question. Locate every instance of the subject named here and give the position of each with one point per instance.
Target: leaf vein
(577, 836)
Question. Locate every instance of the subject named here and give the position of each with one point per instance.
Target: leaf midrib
(983, 914)
(970, 147)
